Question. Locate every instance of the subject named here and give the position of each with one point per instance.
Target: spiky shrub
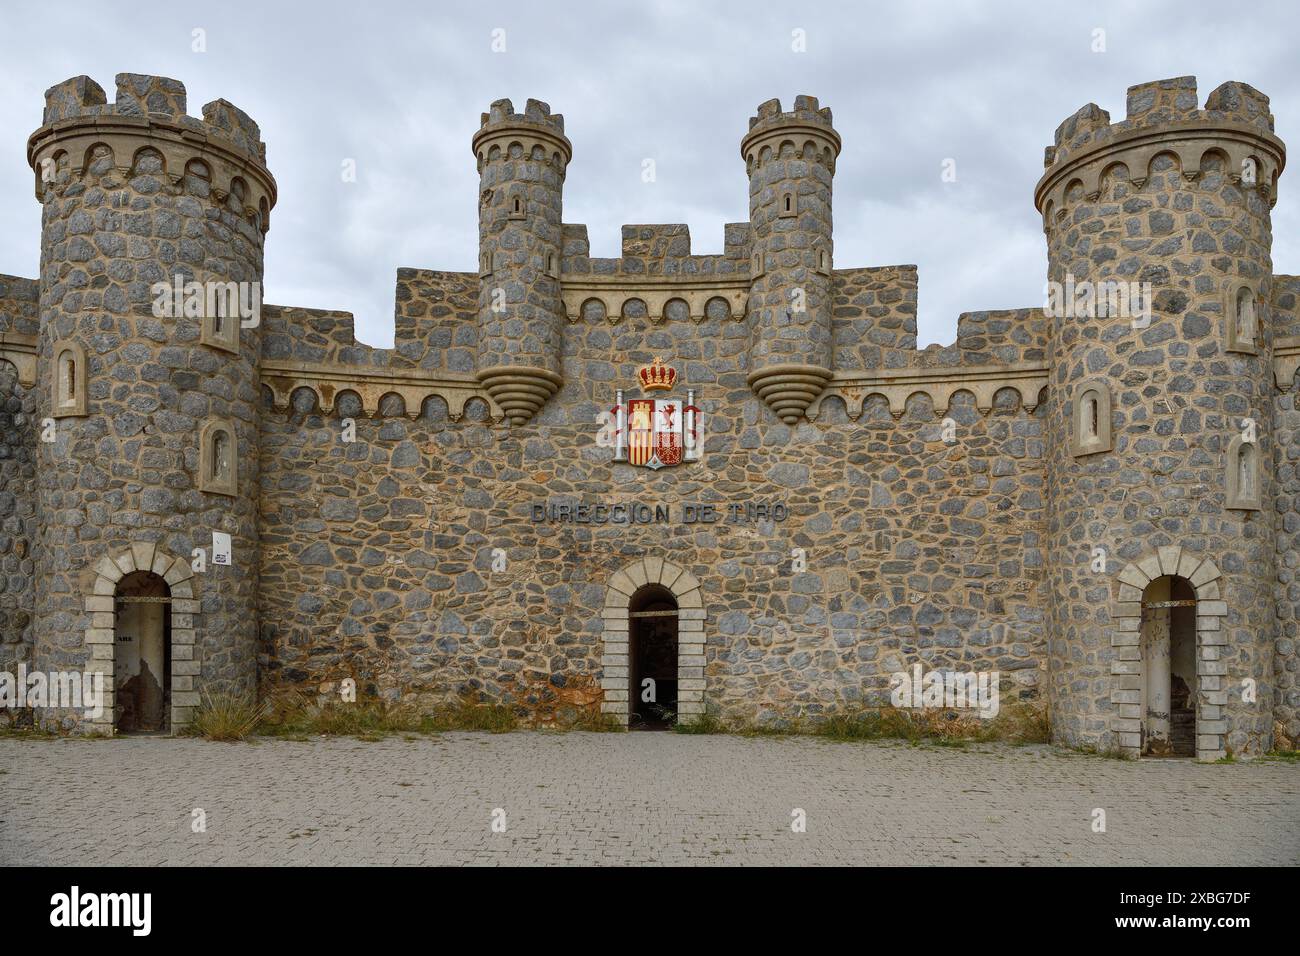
(297, 716)
(701, 724)
(225, 716)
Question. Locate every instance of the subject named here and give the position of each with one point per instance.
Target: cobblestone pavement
(628, 798)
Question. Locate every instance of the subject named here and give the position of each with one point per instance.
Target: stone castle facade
(1100, 505)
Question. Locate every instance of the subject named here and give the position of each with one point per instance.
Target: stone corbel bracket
(372, 385)
(939, 383)
(1286, 360)
(614, 292)
(20, 351)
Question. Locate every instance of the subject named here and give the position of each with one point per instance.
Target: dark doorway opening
(1169, 683)
(652, 639)
(142, 654)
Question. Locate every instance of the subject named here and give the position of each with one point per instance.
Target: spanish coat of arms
(656, 432)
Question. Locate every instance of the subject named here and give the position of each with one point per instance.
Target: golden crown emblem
(656, 376)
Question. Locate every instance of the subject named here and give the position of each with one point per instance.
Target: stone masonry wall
(1285, 317)
(19, 299)
(377, 555)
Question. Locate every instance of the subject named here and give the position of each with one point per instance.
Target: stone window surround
(1102, 441)
(101, 634)
(1236, 498)
(615, 662)
(823, 259)
(1231, 292)
(77, 406)
(217, 484)
(227, 340)
(1126, 639)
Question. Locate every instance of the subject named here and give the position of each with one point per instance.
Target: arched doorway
(142, 653)
(1169, 683)
(652, 658)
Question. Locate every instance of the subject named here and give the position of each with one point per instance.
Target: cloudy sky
(398, 87)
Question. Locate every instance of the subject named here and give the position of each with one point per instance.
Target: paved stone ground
(628, 798)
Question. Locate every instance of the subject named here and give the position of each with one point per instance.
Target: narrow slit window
(218, 469)
(1091, 432)
(1242, 319)
(1245, 316)
(1243, 480)
(220, 455)
(219, 326)
(68, 376)
(69, 386)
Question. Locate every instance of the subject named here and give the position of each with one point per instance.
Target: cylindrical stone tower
(521, 164)
(151, 269)
(1160, 421)
(790, 160)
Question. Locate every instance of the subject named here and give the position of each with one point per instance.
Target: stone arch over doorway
(1126, 638)
(615, 663)
(101, 634)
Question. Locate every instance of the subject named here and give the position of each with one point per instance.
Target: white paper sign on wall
(221, 548)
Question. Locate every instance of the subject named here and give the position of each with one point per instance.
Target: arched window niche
(218, 468)
(69, 386)
(789, 204)
(1243, 478)
(823, 260)
(1091, 414)
(1242, 317)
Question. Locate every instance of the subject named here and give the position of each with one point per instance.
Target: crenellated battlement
(537, 132)
(1234, 127)
(83, 134)
(773, 131)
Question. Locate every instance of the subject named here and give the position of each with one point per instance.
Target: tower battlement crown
(150, 111)
(158, 98)
(536, 127)
(771, 128)
(1163, 117)
(536, 113)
